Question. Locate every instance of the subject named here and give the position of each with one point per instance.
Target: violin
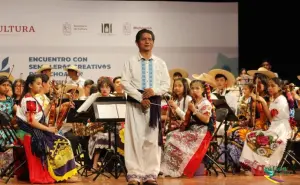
(54, 90)
(172, 121)
(65, 108)
(188, 114)
(52, 113)
(187, 119)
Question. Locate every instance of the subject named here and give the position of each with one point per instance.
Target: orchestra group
(169, 123)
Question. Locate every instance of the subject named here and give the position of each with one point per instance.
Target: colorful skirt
(37, 174)
(100, 141)
(265, 148)
(235, 145)
(60, 161)
(184, 151)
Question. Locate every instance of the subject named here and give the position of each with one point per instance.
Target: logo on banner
(4, 65)
(106, 28)
(127, 28)
(68, 28)
(16, 29)
(142, 27)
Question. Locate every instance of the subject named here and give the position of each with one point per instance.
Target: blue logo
(4, 65)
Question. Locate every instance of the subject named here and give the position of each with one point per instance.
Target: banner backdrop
(98, 36)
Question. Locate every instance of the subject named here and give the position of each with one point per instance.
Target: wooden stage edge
(238, 179)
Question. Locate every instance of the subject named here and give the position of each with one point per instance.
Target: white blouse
(183, 106)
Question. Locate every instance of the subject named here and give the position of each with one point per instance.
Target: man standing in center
(145, 78)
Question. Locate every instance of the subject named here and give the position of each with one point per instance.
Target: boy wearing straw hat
(73, 73)
(224, 79)
(145, 78)
(266, 64)
(45, 69)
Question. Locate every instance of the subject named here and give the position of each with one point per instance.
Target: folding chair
(289, 156)
(9, 141)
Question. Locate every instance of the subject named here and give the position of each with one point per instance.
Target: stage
(290, 179)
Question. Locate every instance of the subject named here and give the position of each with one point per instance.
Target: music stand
(74, 117)
(111, 110)
(221, 103)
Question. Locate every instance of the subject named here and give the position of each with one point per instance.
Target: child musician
(100, 140)
(185, 148)
(179, 104)
(264, 149)
(45, 149)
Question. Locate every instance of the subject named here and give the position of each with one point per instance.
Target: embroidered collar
(141, 58)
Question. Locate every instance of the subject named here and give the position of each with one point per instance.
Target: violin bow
(13, 66)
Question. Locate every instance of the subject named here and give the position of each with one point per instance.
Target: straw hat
(43, 68)
(230, 77)
(298, 77)
(183, 72)
(72, 86)
(188, 80)
(11, 78)
(292, 84)
(206, 78)
(72, 67)
(263, 71)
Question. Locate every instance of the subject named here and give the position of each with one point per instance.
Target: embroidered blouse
(30, 104)
(204, 107)
(7, 105)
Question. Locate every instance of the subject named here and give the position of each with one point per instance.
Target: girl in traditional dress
(265, 148)
(53, 151)
(100, 140)
(261, 77)
(41, 96)
(6, 106)
(184, 150)
(179, 104)
(237, 132)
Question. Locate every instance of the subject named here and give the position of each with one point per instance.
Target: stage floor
(205, 180)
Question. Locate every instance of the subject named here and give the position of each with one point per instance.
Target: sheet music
(107, 111)
(121, 108)
(213, 96)
(91, 99)
(232, 101)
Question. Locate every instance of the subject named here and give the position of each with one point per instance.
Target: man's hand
(148, 93)
(145, 104)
